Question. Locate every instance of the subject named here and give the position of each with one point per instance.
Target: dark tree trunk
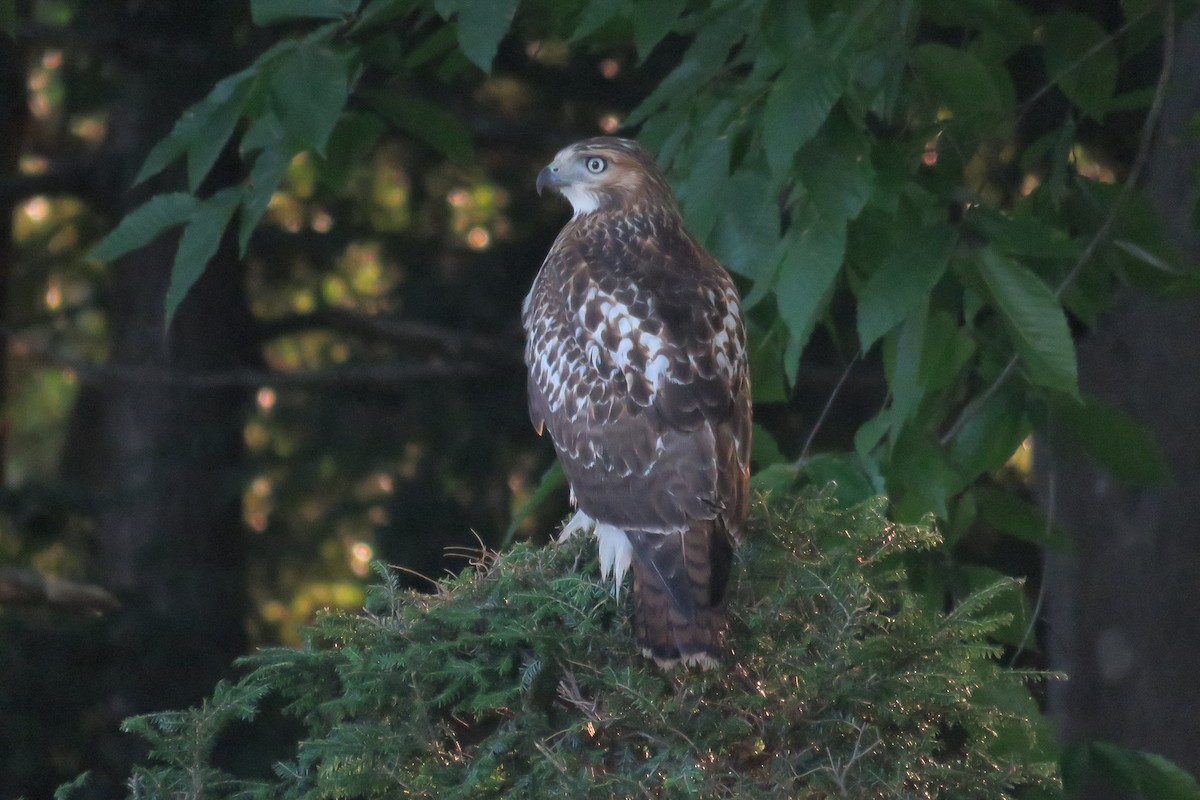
(1123, 611)
(162, 459)
(14, 112)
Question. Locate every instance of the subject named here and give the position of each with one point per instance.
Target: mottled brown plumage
(637, 367)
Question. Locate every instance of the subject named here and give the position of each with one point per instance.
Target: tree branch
(25, 587)
(420, 335)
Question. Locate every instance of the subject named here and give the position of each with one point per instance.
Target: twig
(837, 388)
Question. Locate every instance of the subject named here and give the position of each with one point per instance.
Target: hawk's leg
(580, 523)
(614, 547)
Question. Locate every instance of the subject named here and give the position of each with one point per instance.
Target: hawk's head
(606, 174)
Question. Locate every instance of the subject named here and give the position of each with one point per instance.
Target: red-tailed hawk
(637, 366)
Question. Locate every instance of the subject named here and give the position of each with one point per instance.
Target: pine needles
(518, 679)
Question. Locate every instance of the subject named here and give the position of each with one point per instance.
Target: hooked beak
(549, 178)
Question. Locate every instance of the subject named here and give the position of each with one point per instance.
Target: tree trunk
(161, 458)
(14, 112)
(1122, 611)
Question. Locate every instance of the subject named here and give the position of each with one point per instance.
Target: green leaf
(815, 247)
(948, 348)
(764, 450)
(705, 55)
(308, 92)
(800, 100)
(1123, 446)
(920, 481)
(270, 12)
(958, 80)
(212, 136)
(1024, 237)
(270, 167)
(1035, 320)
(702, 193)
(481, 26)
(200, 240)
(903, 281)
(766, 361)
(1020, 519)
(777, 479)
(747, 230)
(835, 168)
(594, 16)
(652, 22)
(351, 142)
(432, 124)
(207, 118)
(144, 224)
(990, 435)
(851, 484)
(8, 17)
(902, 362)
(1144, 774)
(379, 13)
(1081, 58)
(552, 480)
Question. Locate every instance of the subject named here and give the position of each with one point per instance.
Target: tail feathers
(679, 582)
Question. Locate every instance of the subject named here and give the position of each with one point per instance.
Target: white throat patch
(583, 200)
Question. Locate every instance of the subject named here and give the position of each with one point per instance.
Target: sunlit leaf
(799, 102)
(481, 26)
(1035, 320)
(432, 124)
(199, 242)
(270, 12)
(144, 224)
(903, 280)
(309, 89)
(1081, 58)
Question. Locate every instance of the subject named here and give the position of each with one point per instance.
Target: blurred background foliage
(264, 261)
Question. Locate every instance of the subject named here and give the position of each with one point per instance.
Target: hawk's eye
(596, 165)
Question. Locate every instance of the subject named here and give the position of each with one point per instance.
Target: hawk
(636, 352)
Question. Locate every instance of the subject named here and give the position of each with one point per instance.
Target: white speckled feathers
(637, 368)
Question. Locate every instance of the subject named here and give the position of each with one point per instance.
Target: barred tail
(679, 582)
